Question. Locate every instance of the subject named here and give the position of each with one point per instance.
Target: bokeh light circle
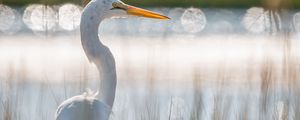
(256, 20)
(296, 20)
(69, 16)
(9, 22)
(193, 20)
(40, 18)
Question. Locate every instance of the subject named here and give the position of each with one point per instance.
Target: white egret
(87, 106)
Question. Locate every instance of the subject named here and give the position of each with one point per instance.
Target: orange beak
(131, 10)
(135, 11)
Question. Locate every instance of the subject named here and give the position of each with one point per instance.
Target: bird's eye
(115, 4)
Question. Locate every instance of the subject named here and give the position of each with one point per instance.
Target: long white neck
(97, 52)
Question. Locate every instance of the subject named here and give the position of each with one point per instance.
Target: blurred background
(214, 60)
(162, 3)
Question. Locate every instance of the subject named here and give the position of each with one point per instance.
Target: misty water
(201, 64)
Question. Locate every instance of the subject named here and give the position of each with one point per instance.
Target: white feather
(87, 106)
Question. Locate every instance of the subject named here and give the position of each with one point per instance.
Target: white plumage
(88, 106)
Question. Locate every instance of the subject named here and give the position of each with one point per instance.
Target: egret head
(116, 8)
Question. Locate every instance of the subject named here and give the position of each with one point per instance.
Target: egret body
(88, 106)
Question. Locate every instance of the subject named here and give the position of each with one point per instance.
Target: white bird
(88, 106)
